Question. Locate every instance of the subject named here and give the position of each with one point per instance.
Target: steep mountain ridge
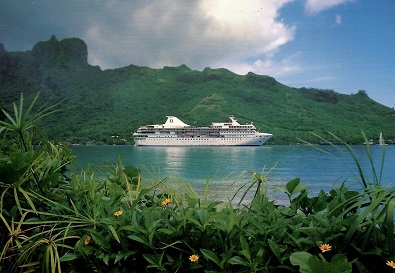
(115, 102)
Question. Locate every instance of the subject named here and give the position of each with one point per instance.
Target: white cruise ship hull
(176, 133)
(228, 141)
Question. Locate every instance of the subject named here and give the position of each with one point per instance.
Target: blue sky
(343, 45)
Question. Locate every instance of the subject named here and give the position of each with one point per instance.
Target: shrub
(110, 219)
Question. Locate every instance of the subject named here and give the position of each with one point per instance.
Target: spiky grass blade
(376, 200)
(389, 225)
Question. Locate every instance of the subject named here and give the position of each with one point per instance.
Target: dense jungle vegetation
(106, 106)
(111, 219)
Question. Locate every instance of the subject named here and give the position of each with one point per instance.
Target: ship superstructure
(177, 133)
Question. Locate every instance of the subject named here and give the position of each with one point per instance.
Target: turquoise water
(320, 167)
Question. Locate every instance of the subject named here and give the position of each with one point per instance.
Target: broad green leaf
(311, 264)
(340, 264)
(301, 259)
(294, 186)
(210, 255)
(238, 261)
(245, 248)
(276, 250)
(99, 240)
(139, 239)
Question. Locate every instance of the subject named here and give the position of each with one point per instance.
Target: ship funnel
(174, 122)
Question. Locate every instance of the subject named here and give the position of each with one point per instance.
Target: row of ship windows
(183, 131)
(232, 127)
(194, 139)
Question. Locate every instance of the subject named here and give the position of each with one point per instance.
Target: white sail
(381, 139)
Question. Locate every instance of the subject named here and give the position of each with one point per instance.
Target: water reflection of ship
(175, 158)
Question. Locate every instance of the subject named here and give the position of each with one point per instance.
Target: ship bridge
(232, 125)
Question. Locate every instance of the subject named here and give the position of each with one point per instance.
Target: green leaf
(210, 255)
(68, 257)
(294, 186)
(245, 248)
(99, 240)
(114, 233)
(154, 260)
(139, 239)
(389, 225)
(237, 261)
(124, 255)
(133, 174)
(301, 259)
(311, 264)
(276, 250)
(376, 201)
(106, 259)
(340, 264)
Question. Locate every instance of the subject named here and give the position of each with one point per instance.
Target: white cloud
(316, 6)
(269, 66)
(252, 22)
(196, 33)
(321, 79)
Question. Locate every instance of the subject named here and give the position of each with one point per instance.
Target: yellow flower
(391, 264)
(325, 248)
(87, 240)
(118, 213)
(193, 258)
(166, 202)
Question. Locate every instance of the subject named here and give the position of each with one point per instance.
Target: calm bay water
(320, 167)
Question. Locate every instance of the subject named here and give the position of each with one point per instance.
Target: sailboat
(381, 139)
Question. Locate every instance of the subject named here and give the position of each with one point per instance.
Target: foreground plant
(313, 264)
(22, 120)
(110, 219)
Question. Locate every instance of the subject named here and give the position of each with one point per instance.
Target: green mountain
(102, 104)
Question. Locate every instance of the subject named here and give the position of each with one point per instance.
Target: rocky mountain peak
(53, 50)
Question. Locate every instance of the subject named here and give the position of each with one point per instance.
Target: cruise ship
(177, 133)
